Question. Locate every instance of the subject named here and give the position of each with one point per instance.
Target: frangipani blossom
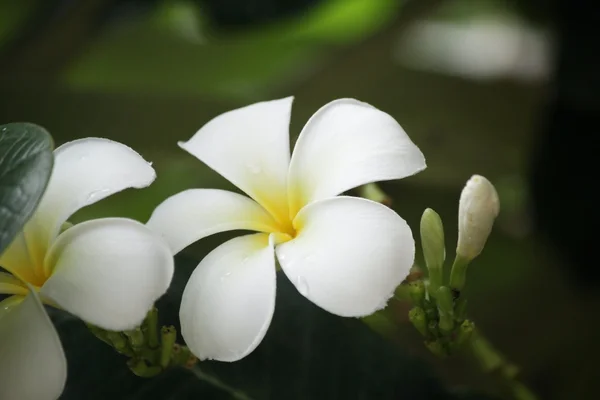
(108, 271)
(345, 254)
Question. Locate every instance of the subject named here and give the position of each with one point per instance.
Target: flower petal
(194, 214)
(250, 147)
(32, 361)
(11, 285)
(108, 272)
(349, 255)
(8, 303)
(229, 300)
(85, 171)
(346, 144)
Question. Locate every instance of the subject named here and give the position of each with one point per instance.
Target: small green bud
(417, 292)
(432, 327)
(150, 327)
(437, 348)
(373, 192)
(417, 317)
(136, 338)
(168, 336)
(402, 292)
(119, 342)
(445, 309)
(434, 250)
(464, 333)
(478, 208)
(431, 311)
(142, 369)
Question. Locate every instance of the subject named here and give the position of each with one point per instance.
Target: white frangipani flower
(108, 271)
(345, 254)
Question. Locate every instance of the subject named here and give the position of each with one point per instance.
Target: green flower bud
(419, 320)
(434, 251)
(478, 208)
(372, 191)
(416, 291)
(168, 337)
(437, 348)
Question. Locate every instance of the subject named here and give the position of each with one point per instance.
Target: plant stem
(216, 382)
(493, 362)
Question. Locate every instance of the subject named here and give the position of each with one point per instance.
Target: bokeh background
(479, 85)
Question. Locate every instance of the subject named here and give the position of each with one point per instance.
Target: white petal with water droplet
(348, 143)
(349, 255)
(229, 300)
(85, 171)
(250, 148)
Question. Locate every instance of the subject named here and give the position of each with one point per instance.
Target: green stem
(216, 382)
(445, 309)
(152, 328)
(493, 362)
(168, 338)
(458, 274)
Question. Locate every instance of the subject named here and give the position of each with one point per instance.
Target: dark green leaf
(307, 354)
(25, 165)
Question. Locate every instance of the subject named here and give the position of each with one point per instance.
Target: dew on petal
(95, 194)
(302, 285)
(224, 277)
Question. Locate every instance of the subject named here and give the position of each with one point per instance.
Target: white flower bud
(478, 208)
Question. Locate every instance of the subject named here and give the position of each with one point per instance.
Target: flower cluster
(345, 254)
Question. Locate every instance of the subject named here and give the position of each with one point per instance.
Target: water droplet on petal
(95, 195)
(224, 277)
(302, 285)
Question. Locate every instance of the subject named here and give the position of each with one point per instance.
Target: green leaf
(26, 161)
(307, 354)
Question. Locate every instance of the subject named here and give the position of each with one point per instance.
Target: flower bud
(373, 192)
(477, 210)
(432, 240)
(417, 317)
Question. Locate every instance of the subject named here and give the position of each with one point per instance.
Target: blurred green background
(465, 79)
